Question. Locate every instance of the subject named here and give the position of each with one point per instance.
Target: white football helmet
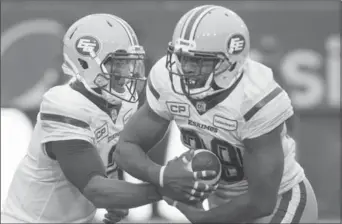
(102, 51)
(208, 51)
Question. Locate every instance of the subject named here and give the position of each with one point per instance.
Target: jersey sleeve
(156, 93)
(63, 118)
(268, 111)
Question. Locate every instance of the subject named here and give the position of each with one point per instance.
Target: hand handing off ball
(206, 160)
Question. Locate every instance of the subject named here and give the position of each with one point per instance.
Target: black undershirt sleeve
(78, 159)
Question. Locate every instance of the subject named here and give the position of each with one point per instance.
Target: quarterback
(65, 174)
(222, 101)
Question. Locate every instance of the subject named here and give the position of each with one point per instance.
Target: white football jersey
(255, 106)
(39, 191)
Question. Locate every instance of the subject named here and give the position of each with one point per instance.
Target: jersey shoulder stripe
(152, 89)
(66, 114)
(269, 97)
(65, 101)
(64, 119)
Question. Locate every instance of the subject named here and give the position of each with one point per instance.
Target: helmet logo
(236, 44)
(86, 45)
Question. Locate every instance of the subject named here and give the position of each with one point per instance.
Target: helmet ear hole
(83, 63)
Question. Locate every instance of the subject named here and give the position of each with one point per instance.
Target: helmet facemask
(122, 77)
(196, 70)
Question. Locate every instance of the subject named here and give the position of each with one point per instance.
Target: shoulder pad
(159, 88)
(64, 115)
(265, 104)
(158, 79)
(64, 101)
(259, 87)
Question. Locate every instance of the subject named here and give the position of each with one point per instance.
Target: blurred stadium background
(300, 40)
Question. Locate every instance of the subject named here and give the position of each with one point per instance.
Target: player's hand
(114, 215)
(183, 185)
(194, 213)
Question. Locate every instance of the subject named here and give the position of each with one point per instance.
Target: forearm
(109, 193)
(83, 167)
(240, 209)
(133, 160)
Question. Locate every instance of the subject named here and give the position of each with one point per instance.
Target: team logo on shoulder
(86, 45)
(201, 106)
(236, 44)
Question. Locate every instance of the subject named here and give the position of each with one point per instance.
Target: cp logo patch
(236, 44)
(87, 45)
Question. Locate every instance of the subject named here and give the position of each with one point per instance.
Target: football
(206, 160)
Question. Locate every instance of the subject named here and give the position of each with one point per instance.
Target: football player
(63, 177)
(222, 101)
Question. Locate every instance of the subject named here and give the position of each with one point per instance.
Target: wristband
(161, 176)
